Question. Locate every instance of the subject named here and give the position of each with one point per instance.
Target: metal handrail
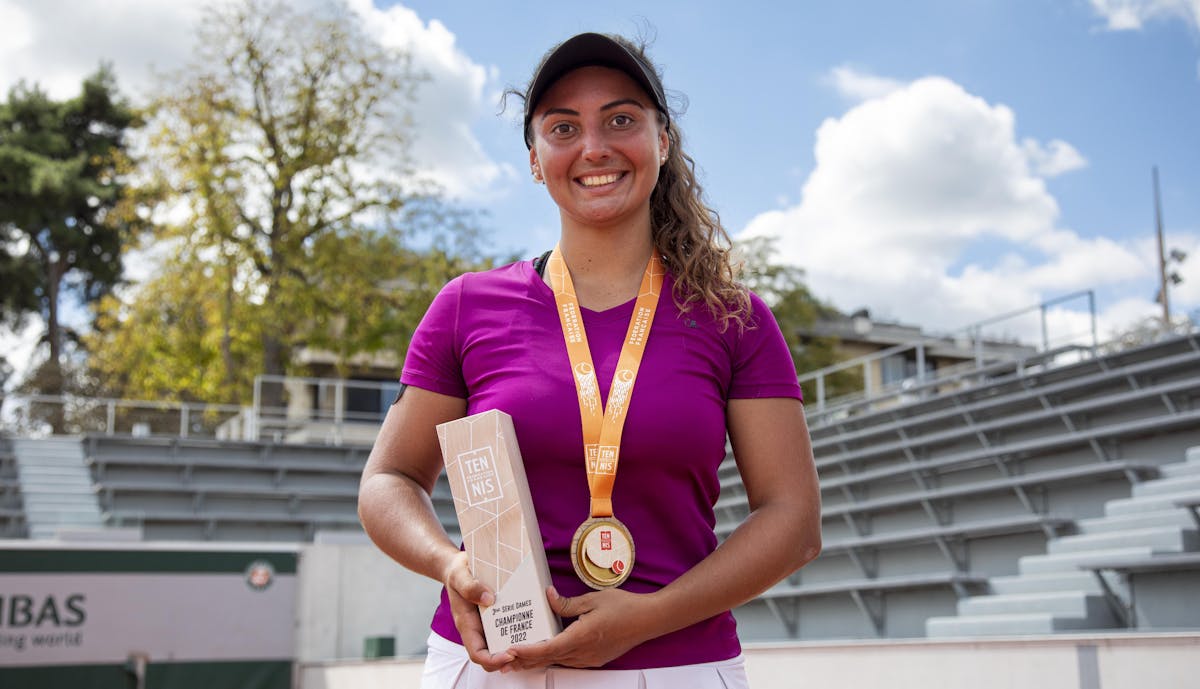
(187, 411)
(869, 395)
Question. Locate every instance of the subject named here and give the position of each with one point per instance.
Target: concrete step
(1148, 503)
(51, 457)
(55, 486)
(1061, 603)
(1078, 581)
(63, 469)
(37, 453)
(82, 500)
(54, 531)
(34, 445)
(1167, 538)
(1180, 470)
(1069, 562)
(1192, 454)
(61, 518)
(80, 497)
(33, 512)
(1138, 520)
(1015, 624)
(1175, 484)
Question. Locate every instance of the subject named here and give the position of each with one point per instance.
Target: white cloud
(925, 206)
(1123, 15)
(1053, 159)
(56, 43)
(860, 86)
(445, 147)
(16, 29)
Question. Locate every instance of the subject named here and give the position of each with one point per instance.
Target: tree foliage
(275, 138)
(797, 310)
(282, 156)
(62, 166)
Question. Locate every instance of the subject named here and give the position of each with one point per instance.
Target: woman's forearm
(398, 516)
(394, 502)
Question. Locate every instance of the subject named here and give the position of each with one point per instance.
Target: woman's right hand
(466, 594)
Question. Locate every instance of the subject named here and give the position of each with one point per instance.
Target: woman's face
(598, 144)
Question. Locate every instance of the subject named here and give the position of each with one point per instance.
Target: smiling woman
(625, 357)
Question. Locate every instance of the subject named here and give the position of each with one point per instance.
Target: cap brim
(586, 50)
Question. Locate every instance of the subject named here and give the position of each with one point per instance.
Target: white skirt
(448, 667)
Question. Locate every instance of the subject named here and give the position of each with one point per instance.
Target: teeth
(599, 180)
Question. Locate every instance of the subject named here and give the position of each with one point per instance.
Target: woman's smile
(600, 180)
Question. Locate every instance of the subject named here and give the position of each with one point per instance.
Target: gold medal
(602, 549)
(602, 552)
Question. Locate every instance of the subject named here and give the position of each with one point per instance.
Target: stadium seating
(220, 490)
(926, 503)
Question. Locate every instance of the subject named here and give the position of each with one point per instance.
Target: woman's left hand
(608, 624)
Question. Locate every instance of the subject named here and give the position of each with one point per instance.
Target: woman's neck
(606, 267)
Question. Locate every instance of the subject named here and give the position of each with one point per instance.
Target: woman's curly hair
(692, 241)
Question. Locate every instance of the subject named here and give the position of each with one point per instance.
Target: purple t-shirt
(494, 339)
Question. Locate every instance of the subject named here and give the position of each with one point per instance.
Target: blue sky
(758, 80)
(937, 161)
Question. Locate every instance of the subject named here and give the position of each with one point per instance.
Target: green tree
(61, 188)
(193, 332)
(268, 137)
(167, 340)
(283, 152)
(797, 310)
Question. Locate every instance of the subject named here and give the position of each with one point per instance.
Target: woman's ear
(534, 168)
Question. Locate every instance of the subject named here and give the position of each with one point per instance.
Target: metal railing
(322, 410)
(970, 340)
(285, 409)
(40, 415)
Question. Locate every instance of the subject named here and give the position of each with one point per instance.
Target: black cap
(590, 50)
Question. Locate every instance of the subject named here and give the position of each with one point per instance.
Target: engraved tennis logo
(478, 471)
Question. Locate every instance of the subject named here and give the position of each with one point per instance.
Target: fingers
(567, 607)
(460, 580)
(573, 647)
(465, 594)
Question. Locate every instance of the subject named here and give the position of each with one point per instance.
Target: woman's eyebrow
(623, 101)
(607, 106)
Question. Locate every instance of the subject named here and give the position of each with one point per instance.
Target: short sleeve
(432, 361)
(762, 362)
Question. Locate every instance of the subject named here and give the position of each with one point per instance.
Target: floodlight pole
(1162, 256)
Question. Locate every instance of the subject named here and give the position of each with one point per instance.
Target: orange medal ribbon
(602, 550)
(604, 424)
